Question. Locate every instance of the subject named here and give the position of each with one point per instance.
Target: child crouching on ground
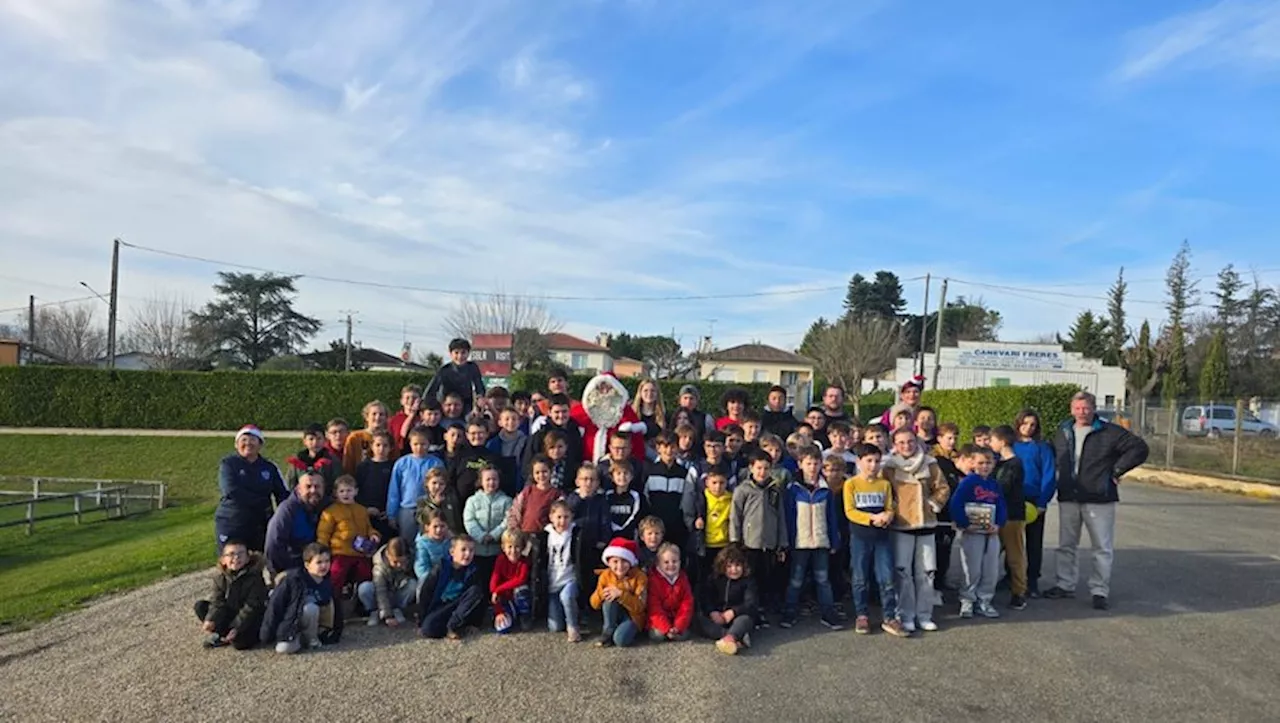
(301, 611)
(729, 601)
(451, 595)
(509, 586)
(234, 612)
(393, 586)
(670, 597)
(561, 550)
(979, 511)
(620, 594)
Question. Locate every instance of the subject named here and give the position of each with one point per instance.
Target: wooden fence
(54, 498)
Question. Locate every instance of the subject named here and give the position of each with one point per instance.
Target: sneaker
(1057, 593)
(314, 644)
(1017, 602)
(574, 636)
(808, 608)
(786, 623)
(987, 610)
(214, 641)
(288, 647)
(908, 626)
(605, 641)
(1034, 593)
(895, 628)
(1100, 602)
(727, 645)
(832, 623)
(966, 609)
(399, 616)
(841, 615)
(763, 624)
(928, 626)
(745, 642)
(372, 621)
(862, 625)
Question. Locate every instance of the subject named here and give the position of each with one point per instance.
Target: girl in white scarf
(921, 492)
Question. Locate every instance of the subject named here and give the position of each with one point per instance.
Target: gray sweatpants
(980, 560)
(1100, 521)
(915, 561)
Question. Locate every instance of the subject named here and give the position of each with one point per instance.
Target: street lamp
(101, 298)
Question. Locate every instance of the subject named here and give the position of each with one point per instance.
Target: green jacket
(240, 595)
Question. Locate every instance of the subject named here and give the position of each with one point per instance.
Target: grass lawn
(63, 565)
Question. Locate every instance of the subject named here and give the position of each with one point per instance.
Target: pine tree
(1175, 381)
(1118, 332)
(1089, 335)
(1181, 289)
(1215, 377)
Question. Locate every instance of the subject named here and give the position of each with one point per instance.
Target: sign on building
(1011, 359)
(492, 353)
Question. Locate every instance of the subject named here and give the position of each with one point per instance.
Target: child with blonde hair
(346, 530)
(670, 597)
(509, 587)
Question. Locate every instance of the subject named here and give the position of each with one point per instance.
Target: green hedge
(47, 396)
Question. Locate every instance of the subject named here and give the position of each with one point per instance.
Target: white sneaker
(288, 647)
(966, 609)
(987, 610)
(373, 620)
(928, 626)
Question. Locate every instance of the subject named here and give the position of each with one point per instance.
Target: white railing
(114, 498)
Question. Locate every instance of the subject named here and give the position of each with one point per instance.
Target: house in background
(579, 356)
(16, 352)
(762, 364)
(372, 360)
(133, 361)
(626, 367)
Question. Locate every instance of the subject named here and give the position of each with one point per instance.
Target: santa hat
(252, 431)
(917, 381)
(624, 548)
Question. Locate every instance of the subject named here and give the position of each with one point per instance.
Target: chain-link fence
(1238, 437)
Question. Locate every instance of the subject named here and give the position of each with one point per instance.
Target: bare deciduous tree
(71, 333)
(849, 351)
(498, 313)
(160, 328)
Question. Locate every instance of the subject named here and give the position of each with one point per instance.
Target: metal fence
(40, 499)
(1235, 437)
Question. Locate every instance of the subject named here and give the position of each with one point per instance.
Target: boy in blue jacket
(978, 510)
(813, 532)
(450, 596)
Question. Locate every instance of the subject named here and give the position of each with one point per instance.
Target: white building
(1007, 364)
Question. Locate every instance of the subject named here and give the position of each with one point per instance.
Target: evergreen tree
(881, 297)
(1215, 377)
(1089, 335)
(252, 320)
(1118, 332)
(1175, 380)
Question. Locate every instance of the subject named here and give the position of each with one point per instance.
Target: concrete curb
(1188, 481)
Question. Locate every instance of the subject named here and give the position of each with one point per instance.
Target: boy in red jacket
(511, 596)
(670, 597)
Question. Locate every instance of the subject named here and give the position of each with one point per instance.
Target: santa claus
(604, 410)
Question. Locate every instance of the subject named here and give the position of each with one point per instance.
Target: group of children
(459, 524)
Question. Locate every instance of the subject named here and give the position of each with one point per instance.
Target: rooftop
(758, 353)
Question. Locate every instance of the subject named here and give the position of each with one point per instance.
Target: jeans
(562, 608)
(867, 550)
(451, 616)
(915, 563)
(518, 605)
(801, 562)
(618, 624)
(1013, 540)
(1100, 521)
(1035, 552)
(980, 558)
(401, 597)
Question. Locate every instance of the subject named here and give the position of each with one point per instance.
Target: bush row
(40, 396)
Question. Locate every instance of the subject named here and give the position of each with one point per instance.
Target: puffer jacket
(242, 594)
(387, 579)
(813, 522)
(670, 604)
(340, 524)
(720, 594)
(486, 514)
(1107, 454)
(756, 519)
(919, 489)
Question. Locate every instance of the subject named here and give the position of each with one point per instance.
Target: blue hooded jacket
(981, 490)
(1039, 471)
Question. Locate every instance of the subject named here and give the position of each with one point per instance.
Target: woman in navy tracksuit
(248, 483)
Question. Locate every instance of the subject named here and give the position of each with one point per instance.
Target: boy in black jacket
(373, 479)
(302, 610)
(234, 614)
(1009, 474)
(558, 418)
(458, 376)
(451, 595)
(665, 485)
(464, 468)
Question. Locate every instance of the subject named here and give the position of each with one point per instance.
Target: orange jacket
(670, 606)
(634, 593)
(340, 525)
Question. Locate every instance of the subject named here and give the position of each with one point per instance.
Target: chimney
(603, 338)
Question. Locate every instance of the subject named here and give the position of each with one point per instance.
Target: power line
(1068, 295)
(457, 292)
(51, 303)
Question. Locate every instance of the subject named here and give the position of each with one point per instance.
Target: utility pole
(924, 326)
(348, 366)
(115, 296)
(937, 339)
(31, 329)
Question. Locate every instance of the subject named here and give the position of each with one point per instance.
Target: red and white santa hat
(624, 548)
(917, 381)
(252, 431)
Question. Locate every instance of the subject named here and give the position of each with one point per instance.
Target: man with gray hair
(1092, 454)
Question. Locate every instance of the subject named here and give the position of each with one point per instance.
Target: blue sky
(638, 149)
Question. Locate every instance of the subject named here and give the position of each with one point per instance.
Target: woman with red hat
(908, 401)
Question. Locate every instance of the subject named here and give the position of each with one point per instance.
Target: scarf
(916, 465)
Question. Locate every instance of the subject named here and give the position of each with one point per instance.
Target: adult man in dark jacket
(1091, 456)
(293, 526)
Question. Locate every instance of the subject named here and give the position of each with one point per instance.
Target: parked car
(1215, 420)
(1116, 417)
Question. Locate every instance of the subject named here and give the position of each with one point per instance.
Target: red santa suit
(595, 438)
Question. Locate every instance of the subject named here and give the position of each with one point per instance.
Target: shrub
(992, 406)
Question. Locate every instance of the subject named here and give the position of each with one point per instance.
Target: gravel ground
(1193, 636)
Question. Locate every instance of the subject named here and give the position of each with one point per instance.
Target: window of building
(760, 375)
(578, 361)
(725, 375)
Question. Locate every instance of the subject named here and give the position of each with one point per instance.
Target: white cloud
(1241, 33)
